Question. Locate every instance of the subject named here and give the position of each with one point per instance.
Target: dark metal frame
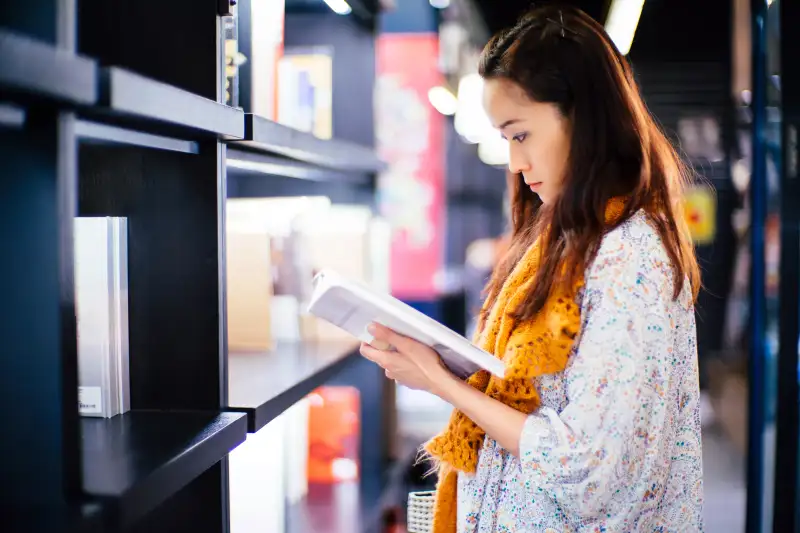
(786, 513)
(758, 195)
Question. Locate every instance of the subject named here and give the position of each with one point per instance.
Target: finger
(380, 345)
(389, 374)
(376, 356)
(384, 334)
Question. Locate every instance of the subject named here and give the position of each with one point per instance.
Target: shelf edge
(128, 93)
(36, 68)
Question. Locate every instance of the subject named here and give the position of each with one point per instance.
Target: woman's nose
(517, 162)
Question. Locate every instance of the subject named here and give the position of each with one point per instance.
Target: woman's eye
(520, 137)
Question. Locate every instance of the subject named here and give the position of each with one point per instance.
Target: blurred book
(249, 290)
(305, 90)
(334, 431)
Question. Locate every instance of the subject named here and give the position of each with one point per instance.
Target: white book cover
(352, 306)
(257, 470)
(101, 308)
(296, 450)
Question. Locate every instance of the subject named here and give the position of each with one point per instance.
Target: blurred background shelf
(265, 384)
(357, 507)
(271, 137)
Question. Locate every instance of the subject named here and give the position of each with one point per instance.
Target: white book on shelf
(101, 309)
(352, 306)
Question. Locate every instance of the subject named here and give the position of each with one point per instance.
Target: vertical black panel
(39, 450)
(758, 312)
(184, 512)
(787, 495)
(176, 42)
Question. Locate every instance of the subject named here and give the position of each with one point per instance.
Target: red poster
(410, 138)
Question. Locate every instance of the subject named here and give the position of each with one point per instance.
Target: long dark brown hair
(560, 55)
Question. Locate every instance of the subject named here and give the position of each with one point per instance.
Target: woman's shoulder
(633, 252)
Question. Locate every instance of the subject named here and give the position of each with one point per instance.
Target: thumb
(400, 342)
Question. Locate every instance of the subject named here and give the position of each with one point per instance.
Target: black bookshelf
(95, 120)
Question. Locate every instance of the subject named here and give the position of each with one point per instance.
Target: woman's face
(538, 136)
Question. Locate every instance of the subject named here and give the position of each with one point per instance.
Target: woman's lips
(535, 186)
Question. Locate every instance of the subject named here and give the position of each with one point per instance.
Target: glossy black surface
(264, 384)
(269, 136)
(139, 459)
(36, 69)
(128, 93)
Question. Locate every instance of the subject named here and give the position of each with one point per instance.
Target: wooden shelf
(37, 69)
(270, 137)
(135, 461)
(265, 384)
(131, 95)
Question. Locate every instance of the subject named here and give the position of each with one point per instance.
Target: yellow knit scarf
(530, 349)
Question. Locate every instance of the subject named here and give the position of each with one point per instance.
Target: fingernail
(372, 328)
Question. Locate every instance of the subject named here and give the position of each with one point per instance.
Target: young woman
(596, 425)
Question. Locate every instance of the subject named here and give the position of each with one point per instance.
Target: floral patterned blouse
(615, 446)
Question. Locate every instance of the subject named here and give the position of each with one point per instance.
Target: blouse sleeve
(588, 456)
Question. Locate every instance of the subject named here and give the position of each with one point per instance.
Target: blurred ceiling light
(471, 121)
(443, 100)
(623, 17)
(440, 4)
(493, 151)
(340, 7)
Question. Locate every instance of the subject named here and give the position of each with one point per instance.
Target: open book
(352, 306)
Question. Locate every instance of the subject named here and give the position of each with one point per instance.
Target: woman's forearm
(501, 422)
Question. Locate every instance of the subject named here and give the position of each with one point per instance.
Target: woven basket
(420, 511)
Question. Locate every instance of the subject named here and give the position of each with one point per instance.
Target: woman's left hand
(411, 363)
